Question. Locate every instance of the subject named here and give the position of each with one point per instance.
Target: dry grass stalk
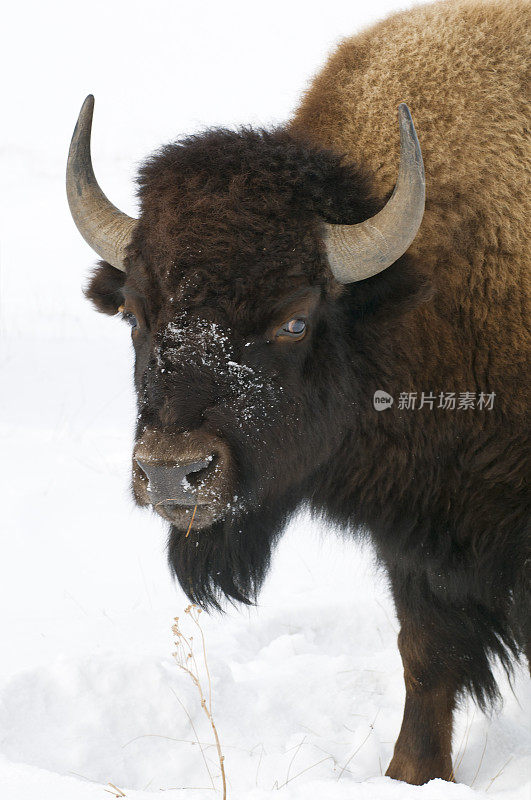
(186, 660)
(499, 773)
(307, 769)
(191, 523)
(462, 747)
(481, 760)
(115, 790)
(356, 751)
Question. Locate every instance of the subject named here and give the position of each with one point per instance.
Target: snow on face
(206, 346)
(197, 341)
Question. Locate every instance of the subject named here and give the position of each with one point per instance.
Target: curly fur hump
(228, 252)
(463, 68)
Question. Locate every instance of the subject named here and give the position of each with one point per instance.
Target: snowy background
(307, 688)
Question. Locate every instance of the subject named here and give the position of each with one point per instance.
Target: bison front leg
(423, 750)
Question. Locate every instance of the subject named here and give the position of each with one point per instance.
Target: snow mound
(307, 700)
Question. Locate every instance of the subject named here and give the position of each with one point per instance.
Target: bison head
(241, 283)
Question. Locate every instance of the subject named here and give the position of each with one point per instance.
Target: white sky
(162, 68)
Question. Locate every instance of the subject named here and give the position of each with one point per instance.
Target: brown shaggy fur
(462, 66)
(230, 235)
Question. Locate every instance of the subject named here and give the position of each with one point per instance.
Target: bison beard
(231, 558)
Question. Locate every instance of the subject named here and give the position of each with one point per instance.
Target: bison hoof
(408, 771)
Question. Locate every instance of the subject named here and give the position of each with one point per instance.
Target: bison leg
(423, 750)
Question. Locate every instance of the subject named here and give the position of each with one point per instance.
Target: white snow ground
(307, 688)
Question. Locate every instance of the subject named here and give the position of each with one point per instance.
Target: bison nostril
(197, 470)
(176, 482)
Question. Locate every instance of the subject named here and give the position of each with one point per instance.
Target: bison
(277, 286)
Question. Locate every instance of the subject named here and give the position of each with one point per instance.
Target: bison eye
(132, 320)
(293, 329)
(129, 318)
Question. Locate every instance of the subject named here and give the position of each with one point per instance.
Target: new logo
(382, 400)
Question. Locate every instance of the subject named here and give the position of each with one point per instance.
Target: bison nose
(173, 484)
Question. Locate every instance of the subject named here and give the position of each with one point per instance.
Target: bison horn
(106, 229)
(356, 252)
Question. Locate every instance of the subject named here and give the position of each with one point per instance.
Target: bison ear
(105, 288)
(393, 292)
